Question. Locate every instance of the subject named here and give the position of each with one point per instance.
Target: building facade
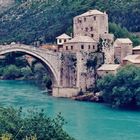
(122, 48)
(80, 43)
(92, 23)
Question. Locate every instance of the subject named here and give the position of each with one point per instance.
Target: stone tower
(92, 23)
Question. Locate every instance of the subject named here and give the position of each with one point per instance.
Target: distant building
(132, 59)
(61, 40)
(122, 48)
(81, 43)
(136, 50)
(107, 69)
(88, 29)
(92, 23)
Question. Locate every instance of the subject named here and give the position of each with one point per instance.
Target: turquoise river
(86, 121)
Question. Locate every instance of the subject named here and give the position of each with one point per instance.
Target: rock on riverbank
(90, 97)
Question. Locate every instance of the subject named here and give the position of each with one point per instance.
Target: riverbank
(89, 97)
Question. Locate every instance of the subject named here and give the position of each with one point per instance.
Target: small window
(93, 47)
(67, 48)
(86, 29)
(91, 28)
(89, 47)
(71, 47)
(65, 40)
(60, 41)
(94, 17)
(84, 19)
(79, 20)
(92, 35)
(82, 47)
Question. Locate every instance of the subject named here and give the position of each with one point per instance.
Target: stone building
(136, 50)
(80, 43)
(107, 69)
(122, 48)
(61, 40)
(132, 59)
(92, 23)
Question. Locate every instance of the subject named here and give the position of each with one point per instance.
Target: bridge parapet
(51, 58)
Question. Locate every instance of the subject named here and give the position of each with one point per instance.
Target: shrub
(11, 72)
(35, 124)
(122, 89)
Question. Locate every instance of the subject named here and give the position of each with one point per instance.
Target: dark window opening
(92, 35)
(91, 28)
(94, 18)
(65, 40)
(67, 48)
(93, 47)
(79, 21)
(82, 47)
(86, 29)
(89, 47)
(85, 19)
(71, 47)
(60, 40)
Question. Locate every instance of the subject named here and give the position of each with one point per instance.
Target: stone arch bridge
(51, 59)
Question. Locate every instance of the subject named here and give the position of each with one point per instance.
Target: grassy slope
(30, 22)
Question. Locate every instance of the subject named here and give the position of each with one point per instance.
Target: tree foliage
(122, 89)
(35, 125)
(41, 21)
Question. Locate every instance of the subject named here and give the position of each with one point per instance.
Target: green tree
(122, 89)
(11, 72)
(15, 125)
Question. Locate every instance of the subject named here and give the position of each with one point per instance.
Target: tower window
(82, 47)
(92, 35)
(85, 19)
(91, 28)
(67, 48)
(79, 20)
(93, 47)
(94, 17)
(65, 40)
(89, 47)
(86, 29)
(71, 47)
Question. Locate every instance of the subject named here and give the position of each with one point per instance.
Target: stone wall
(68, 72)
(65, 92)
(88, 63)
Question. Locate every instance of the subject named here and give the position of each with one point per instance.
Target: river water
(86, 121)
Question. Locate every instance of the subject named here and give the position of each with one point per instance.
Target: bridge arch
(38, 53)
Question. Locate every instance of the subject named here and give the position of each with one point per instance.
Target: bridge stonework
(65, 68)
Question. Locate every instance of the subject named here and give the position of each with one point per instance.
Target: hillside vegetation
(29, 22)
